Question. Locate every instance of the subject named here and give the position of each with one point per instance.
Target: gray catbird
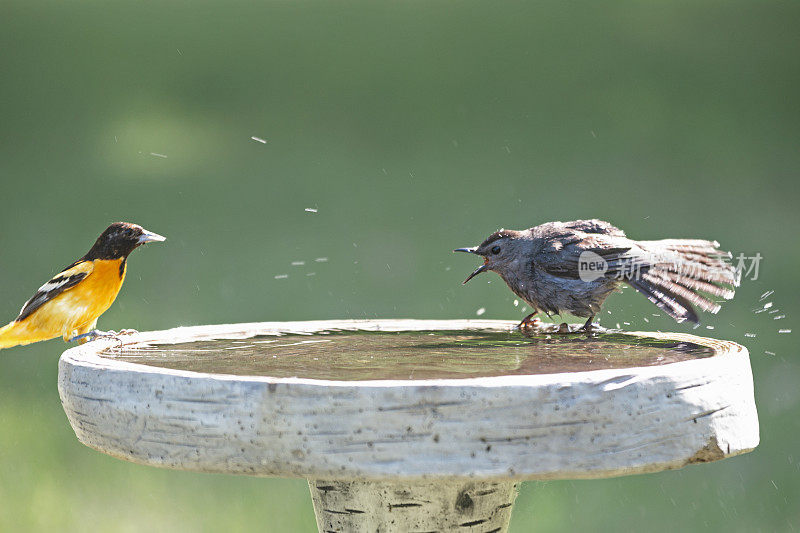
(574, 266)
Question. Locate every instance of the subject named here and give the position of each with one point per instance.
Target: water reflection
(348, 355)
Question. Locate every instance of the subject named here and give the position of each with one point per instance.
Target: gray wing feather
(560, 254)
(595, 226)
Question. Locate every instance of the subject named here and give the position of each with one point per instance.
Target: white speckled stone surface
(453, 432)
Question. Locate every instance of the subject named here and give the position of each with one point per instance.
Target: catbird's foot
(590, 327)
(530, 322)
(563, 329)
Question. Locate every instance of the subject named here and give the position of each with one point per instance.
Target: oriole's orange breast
(85, 302)
(100, 288)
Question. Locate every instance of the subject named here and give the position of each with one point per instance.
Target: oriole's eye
(496, 250)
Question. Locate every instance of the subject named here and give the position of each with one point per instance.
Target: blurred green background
(413, 128)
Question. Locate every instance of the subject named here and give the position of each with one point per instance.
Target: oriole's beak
(483, 268)
(149, 236)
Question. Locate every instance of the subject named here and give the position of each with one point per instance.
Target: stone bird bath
(410, 425)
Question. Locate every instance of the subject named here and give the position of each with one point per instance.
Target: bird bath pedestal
(410, 425)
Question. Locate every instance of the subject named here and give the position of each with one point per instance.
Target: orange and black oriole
(69, 304)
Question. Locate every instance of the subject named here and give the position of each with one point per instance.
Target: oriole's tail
(14, 334)
(683, 273)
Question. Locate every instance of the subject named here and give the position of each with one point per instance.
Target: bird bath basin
(410, 424)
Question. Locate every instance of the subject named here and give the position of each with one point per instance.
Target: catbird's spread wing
(563, 245)
(600, 227)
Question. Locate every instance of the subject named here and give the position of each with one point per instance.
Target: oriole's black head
(119, 240)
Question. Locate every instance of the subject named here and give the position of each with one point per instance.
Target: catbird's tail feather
(697, 285)
(672, 304)
(679, 274)
(692, 258)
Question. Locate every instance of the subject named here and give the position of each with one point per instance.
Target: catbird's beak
(483, 268)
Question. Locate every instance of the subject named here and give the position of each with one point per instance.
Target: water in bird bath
(416, 355)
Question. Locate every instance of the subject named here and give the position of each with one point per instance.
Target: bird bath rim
(102, 351)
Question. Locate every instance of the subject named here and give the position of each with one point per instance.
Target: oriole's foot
(97, 334)
(85, 337)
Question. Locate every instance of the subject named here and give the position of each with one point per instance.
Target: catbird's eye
(496, 250)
